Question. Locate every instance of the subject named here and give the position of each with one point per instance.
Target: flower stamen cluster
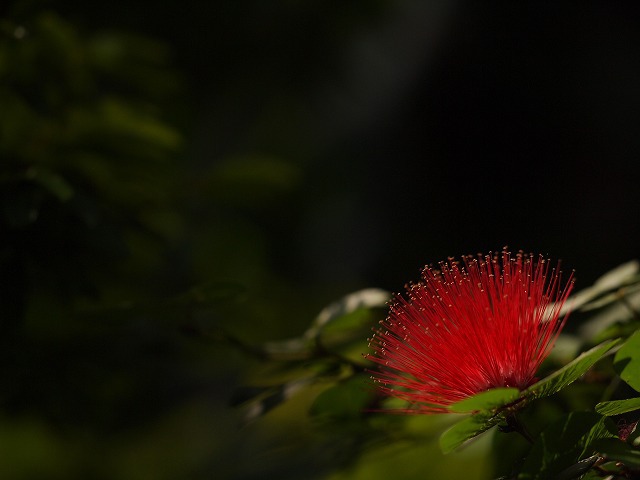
(488, 321)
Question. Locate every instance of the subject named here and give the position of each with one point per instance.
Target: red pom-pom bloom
(488, 321)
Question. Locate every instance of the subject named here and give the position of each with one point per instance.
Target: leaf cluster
(565, 419)
(86, 154)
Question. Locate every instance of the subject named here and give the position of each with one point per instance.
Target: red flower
(487, 322)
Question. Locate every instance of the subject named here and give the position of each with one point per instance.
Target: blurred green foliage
(86, 155)
(140, 306)
(120, 306)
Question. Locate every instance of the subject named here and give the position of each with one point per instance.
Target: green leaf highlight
(612, 280)
(345, 402)
(627, 361)
(489, 400)
(569, 373)
(367, 298)
(617, 407)
(338, 318)
(468, 428)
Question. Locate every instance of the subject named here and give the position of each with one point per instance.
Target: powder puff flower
(466, 327)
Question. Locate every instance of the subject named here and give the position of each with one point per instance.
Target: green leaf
(476, 424)
(619, 451)
(627, 361)
(272, 397)
(618, 407)
(613, 297)
(348, 335)
(623, 329)
(54, 183)
(470, 427)
(348, 400)
(616, 278)
(348, 323)
(350, 309)
(489, 400)
(298, 347)
(246, 393)
(367, 298)
(561, 445)
(569, 373)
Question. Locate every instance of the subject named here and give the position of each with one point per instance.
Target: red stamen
(487, 322)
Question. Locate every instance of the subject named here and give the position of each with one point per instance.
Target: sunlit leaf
(618, 276)
(611, 280)
(367, 298)
(612, 297)
(486, 403)
(348, 322)
(298, 347)
(569, 373)
(489, 400)
(621, 311)
(617, 330)
(465, 430)
(339, 312)
(347, 400)
(616, 407)
(347, 335)
(627, 361)
(271, 397)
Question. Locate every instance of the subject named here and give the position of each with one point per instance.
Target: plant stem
(516, 425)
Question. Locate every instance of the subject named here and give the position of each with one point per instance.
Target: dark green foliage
(564, 443)
(142, 317)
(93, 352)
(565, 438)
(627, 361)
(86, 157)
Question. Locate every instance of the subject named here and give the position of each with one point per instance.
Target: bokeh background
(182, 180)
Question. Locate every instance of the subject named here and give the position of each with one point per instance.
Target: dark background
(238, 165)
(424, 129)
